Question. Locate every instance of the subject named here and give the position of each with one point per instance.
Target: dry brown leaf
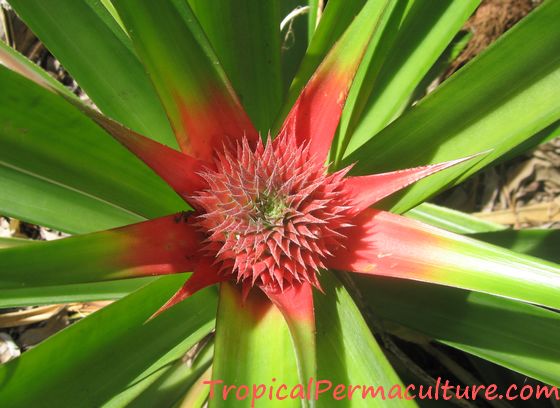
(29, 316)
(540, 213)
(33, 336)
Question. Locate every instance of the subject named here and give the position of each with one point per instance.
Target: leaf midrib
(71, 188)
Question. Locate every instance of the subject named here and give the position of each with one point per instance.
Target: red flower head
(271, 214)
(268, 214)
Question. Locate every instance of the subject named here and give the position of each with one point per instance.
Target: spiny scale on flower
(271, 213)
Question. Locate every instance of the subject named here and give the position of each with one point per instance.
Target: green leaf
(104, 64)
(347, 352)
(546, 135)
(313, 17)
(58, 169)
(450, 54)
(415, 37)
(111, 9)
(315, 115)
(12, 242)
(496, 102)
(15, 61)
(521, 337)
(294, 40)
(451, 220)
(83, 292)
(296, 305)
(540, 243)
(82, 259)
(109, 350)
(251, 61)
(385, 244)
(253, 346)
(164, 387)
(336, 18)
(201, 105)
(156, 247)
(197, 395)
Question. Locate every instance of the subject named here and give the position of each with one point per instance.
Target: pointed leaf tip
(315, 114)
(180, 171)
(205, 274)
(364, 191)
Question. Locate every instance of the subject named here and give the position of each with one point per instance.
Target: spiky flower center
(270, 209)
(271, 214)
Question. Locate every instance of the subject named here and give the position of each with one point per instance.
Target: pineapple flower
(267, 214)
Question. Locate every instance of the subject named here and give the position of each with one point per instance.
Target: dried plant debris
(28, 316)
(13, 228)
(523, 193)
(26, 327)
(8, 348)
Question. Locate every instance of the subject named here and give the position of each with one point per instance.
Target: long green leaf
(160, 246)
(313, 17)
(384, 84)
(540, 243)
(201, 105)
(251, 61)
(315, 115)
(17, 62)
(12, 242)
(490, 103)
(336, 18)
(104, 63)
(347, 352)
(385, 244)
(164, 387)
(546, 135)
(451, 220)
(84, 292)
(521, 337)
(108, 351)
(58, 169)
(296, 305)
(294, 39)
(453, 50)
(253, 346)
(197, 395)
